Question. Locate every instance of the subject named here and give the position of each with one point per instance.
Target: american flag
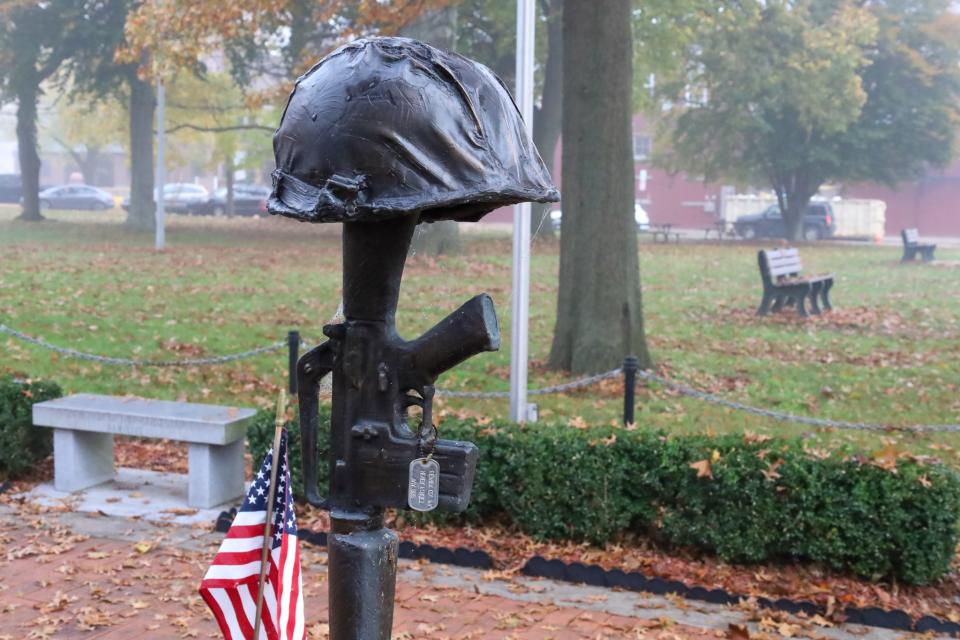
(230, 586)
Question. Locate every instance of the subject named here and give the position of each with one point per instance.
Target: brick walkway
(57, 584)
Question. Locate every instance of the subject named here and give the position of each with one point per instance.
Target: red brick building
(931, 204)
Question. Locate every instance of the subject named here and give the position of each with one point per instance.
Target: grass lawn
(890, 353)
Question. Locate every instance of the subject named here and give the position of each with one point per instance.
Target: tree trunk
(143, 106)
(547, 120)
(27, 149)
(229, 171)
(439, 29)
(599, 310)
(793, 208)
(793, 220)
(89, 165)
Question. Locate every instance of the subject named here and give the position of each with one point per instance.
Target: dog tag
(423, 492)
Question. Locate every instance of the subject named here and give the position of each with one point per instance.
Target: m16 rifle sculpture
(382, 134)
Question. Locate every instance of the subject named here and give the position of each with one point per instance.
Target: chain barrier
(489, 395)
(789, 417)
(557, 388)
(187, 362)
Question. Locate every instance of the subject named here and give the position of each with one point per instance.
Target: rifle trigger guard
(311, 368)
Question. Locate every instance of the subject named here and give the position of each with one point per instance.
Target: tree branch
(204, 108)
(70, 150)
(236, 127)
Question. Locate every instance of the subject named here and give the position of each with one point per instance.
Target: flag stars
(282, 519)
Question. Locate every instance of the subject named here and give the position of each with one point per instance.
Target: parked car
(639, 215)
(76, 196)
(10, 188)
(177, 196)
(248, 200)
(818, 222)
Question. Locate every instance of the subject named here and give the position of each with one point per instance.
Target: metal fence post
(630, 366)
(293, 344)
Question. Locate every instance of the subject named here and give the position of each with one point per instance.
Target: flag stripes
(230, 585)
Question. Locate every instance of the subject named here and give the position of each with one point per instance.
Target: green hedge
(21, 444)
(765, 499)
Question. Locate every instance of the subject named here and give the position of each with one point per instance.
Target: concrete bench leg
(216, 474)
(81, 459)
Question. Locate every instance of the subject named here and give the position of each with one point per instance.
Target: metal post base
(362, 571)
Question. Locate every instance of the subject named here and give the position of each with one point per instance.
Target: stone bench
(84, 426)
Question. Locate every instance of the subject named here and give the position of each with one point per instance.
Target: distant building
(931, 204)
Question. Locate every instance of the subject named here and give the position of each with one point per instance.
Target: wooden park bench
(912, 246)
(783, 286)
(84, 426)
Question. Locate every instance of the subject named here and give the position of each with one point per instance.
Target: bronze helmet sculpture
(381, 135)
(387, 126)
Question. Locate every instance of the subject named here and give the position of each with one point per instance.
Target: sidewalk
(137, 580)
(84, 575)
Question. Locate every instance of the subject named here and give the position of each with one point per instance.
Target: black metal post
(293, 345)
(377, 377)
(630, 366)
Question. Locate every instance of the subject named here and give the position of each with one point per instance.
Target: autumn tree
(35, 40)
(98, 74)
(263, 40)
(793, 94)
(487, 32)
(599, 310)
(278, 39)
(211, 124)
(86, 130)
(136, 43)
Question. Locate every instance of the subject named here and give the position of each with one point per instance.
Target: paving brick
(102, 576)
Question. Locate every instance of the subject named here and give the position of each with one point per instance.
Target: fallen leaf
(738, 632)
(820, 621)
(702, 468)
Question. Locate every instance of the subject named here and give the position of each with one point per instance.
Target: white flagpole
(271, 494)
(520, 303)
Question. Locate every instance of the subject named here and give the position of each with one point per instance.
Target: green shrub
(735, 513)
(21, 444)
(260, 439)
(745, 499)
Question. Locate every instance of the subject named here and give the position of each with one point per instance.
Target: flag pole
(280, 420)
